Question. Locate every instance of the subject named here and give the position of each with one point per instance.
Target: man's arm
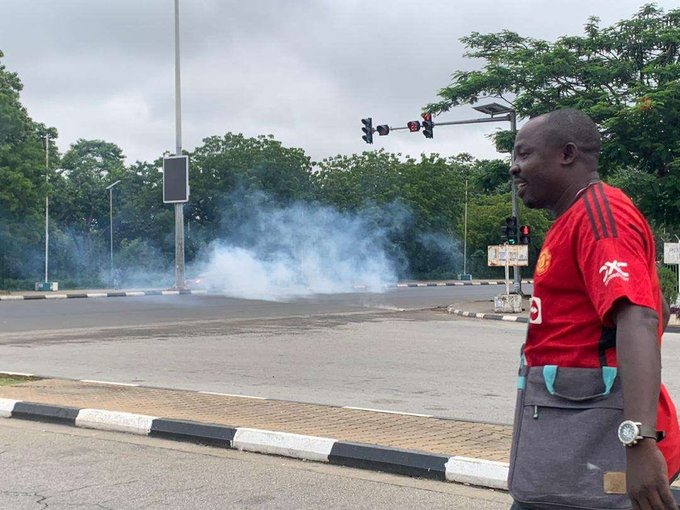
(666, 311)
(639, 362)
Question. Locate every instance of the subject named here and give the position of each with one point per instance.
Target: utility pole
(47, 206)
(179, 207)
(517, 280)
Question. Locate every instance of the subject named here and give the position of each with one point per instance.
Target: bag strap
(607, 341)
(608, 378)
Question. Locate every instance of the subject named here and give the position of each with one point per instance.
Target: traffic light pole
(511, 117)
(517, 276)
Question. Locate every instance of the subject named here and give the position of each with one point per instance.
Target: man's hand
(647, 478)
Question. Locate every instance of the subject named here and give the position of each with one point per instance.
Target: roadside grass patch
(9, 380)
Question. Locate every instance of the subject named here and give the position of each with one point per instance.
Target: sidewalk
(415, 445)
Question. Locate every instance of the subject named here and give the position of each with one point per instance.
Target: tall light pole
(110, 190)
(47, 206)
(510, 115)
(179, 207)
(465, 231)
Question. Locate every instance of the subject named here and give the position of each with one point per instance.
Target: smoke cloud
(281, 252)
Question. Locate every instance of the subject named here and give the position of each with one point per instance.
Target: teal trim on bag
(549, 375)
(521, 382)
(608, 376)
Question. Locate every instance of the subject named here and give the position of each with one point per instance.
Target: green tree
(22, 185)
(626, 76)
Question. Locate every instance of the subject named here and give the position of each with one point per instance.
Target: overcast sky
(305, 71)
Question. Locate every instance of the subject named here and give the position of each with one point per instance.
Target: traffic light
(367, 129)
(524, 234)
(383, 130)
(428, 125)
(511, 229)
(413, 126)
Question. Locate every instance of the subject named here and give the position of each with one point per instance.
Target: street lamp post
(179, 207)
(47, 206)
(465, 230)
(510, 115)
(110, 190)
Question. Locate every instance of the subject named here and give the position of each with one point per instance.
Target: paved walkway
(432, 435)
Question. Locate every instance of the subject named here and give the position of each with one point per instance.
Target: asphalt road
(128, 311)
(50, 466)
(336, 350)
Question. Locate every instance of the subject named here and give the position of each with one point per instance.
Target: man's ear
(569, 152)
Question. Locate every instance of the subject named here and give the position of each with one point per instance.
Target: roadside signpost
(506, 255)
(671, 255)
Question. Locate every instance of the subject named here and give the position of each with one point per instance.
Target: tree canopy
(625, 76)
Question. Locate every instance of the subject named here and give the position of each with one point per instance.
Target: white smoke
(278, 253)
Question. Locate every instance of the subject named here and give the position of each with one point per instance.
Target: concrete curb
(80, 295)
(456, 284)
(489, 316)
(516, 318)
(183, 292)
(415, 463)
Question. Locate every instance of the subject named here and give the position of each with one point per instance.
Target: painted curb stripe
(363, 456)
(6, 407)
(96, 294)
(477, 472)
(114, 420)
(78, 295)
(494, 316)
(115, 294)
(94, 381)
(34, 296)
(390, 460)
(283, 443)
(45, 412)
(193, 432)
(133, 293)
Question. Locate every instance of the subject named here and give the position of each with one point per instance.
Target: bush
(668, 279)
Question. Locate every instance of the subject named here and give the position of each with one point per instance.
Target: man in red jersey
(597, 299)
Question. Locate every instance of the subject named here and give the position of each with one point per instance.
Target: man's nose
(514, 169)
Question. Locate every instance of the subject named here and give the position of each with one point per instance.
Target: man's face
(538, 175)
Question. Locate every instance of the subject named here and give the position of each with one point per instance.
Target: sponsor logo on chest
(536, 311)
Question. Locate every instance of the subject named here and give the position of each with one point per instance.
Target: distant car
(198, 282)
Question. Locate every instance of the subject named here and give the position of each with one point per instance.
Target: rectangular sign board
(518, 255)
(671, 253)
(175, 179)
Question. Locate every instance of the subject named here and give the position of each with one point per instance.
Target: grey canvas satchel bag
(565, 450)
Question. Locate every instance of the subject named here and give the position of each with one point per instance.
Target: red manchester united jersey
(599, 251)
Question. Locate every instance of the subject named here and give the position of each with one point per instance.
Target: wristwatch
(630, 432)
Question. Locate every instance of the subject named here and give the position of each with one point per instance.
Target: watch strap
(651, 432)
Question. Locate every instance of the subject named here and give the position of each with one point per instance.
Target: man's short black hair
(569, 125)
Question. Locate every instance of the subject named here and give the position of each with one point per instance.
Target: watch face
(627, 432)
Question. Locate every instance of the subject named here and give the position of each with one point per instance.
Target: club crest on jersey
(613, 269)
(536, 311)
(543, 262)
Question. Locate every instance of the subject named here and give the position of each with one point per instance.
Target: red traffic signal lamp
(413, 126)
(383, 130)
(428, 125)
(524, 234)
(367, 129)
